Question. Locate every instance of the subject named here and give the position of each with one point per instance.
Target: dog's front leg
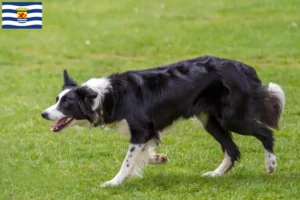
(130, 163)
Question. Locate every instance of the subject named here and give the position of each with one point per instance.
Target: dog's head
(74, 106)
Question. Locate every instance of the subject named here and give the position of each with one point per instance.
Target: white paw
(158, 159)
(110, 183)
(270, 162)
(211, 174)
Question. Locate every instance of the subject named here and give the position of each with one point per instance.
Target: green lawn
(133, 34)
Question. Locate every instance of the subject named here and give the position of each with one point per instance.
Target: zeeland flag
(21, 15)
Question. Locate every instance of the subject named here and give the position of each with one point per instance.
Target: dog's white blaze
(99, 85)
(270, 161)
(222, 169)
(54, 113)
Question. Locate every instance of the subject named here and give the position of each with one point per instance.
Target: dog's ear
(86, 93)
(86, 98)
(68, 82)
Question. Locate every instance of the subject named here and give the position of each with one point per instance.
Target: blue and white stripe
(33, 19)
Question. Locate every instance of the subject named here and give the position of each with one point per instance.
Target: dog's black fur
(229, 92)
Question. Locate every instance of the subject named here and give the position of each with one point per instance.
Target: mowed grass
(96, 38)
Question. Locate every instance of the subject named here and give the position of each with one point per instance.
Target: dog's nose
(45, 115)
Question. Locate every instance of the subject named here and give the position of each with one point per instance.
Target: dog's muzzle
(45, 115)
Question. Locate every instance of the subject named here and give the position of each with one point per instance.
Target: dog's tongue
(58, 124)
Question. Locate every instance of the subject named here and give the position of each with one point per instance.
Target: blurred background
(105, 34)
(96, 38)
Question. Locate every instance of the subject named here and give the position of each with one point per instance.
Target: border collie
(225, 95)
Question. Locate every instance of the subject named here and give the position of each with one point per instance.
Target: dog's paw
(111, 183)
(211, 174)
(158, 159)
(270, 162)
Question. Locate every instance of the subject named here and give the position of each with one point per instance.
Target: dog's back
(163, 94)
(225, 88)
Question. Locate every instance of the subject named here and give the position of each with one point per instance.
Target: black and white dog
(225, 95)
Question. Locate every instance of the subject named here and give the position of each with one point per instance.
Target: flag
(21, 15)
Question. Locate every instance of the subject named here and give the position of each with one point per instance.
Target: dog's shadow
(194, 180)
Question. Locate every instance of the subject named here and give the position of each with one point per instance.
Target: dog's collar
(102, 124)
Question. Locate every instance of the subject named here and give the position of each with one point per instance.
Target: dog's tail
(273, 105)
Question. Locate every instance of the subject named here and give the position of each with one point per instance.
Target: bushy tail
(273, 107)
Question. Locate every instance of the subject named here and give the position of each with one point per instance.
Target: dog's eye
(65, 103)
(56, 99)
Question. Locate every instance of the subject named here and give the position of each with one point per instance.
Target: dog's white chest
(121, 127)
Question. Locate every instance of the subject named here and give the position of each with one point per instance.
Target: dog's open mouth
(61, 124)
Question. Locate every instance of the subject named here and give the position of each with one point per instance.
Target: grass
(124, 35)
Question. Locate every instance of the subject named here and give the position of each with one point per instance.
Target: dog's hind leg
(231, 152)
(262, 133)
(265, 135)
